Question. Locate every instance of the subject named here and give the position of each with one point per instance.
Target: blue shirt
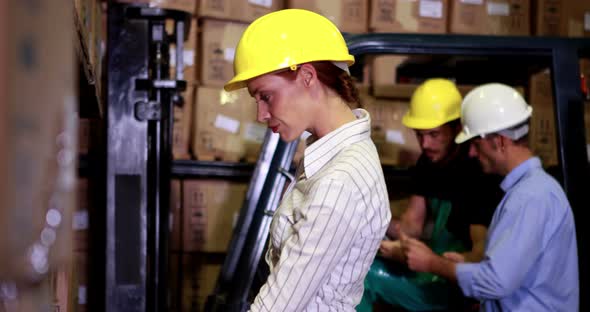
(531, 258)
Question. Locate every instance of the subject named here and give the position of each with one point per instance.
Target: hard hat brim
(463, 137)
(240, 80)
(424, 124)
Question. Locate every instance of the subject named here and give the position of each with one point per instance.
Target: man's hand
(419, 256)
(390, 250)
(454, 256)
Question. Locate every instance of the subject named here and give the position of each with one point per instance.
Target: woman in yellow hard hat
(328, 226)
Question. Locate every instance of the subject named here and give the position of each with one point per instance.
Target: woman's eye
(265, 98)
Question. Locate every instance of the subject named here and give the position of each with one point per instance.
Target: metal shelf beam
(211, 169)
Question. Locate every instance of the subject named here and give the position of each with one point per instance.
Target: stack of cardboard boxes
(349, 16)
(543, 132)
(203, 214)
(409, 16)
(562, 18)
(221, 126)
(542, 135)
(490, 17)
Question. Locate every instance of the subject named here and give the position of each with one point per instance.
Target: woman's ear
(308, 73)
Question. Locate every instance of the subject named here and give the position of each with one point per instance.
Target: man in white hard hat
(449, 191)
(531, 261)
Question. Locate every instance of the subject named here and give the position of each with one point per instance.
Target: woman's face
(283, 103)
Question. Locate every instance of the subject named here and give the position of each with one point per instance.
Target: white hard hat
(492, 108)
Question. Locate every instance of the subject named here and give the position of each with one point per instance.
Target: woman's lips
(274, 129)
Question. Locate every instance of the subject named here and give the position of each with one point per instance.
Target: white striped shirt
(327, 230)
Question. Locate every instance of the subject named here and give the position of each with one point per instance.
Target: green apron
(395, 284)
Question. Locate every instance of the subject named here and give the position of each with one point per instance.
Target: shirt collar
(320, 151)
(518, 172)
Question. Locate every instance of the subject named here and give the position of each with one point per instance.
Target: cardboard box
(175, 215)
(210, 209)
(199, 277)
(252, 133)
(409, 16)
(217, 126)
(215, 8)
(38, 123)
(181, 132)
(542, 135)
(189, 6)
(396, 144)
(238, 10)
(175, 279)
(562, 18)
(249, 10)
(384, 70)
(348, 15)
(490, 17)
(224, 126)
(189, 53)
(217, 48)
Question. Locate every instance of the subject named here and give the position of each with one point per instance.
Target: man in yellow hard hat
(449, 189)
(531, 261)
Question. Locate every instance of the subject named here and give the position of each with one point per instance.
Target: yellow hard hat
(285, 39)
(434, 103)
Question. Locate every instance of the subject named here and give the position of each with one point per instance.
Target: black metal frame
(213, 169)
(139, 119)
